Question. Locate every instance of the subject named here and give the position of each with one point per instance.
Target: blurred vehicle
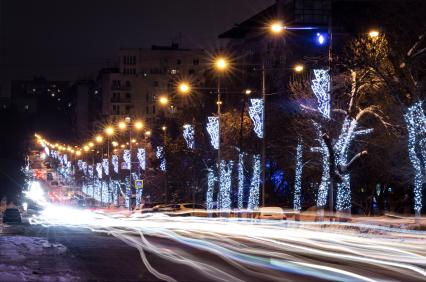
(273, 213)
(189, 209)
(162, 208)
(54, 183)
(12, 215)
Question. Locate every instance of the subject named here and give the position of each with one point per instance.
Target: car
(189, 209)
(273, 213)
(12, 215)
(162, 208)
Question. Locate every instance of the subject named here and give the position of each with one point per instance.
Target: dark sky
(69, 39)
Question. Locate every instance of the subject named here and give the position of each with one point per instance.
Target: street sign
(138, 184)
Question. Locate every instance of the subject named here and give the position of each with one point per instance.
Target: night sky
(72, 39)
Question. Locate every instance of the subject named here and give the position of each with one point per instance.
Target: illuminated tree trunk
(416, 126)
(298, 178)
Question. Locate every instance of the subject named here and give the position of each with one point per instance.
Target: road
(119, 247)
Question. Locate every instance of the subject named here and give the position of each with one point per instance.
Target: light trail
(264, 250)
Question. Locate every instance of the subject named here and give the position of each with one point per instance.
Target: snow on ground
(25, 258)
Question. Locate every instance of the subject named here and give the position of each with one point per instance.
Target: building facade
(143, 76)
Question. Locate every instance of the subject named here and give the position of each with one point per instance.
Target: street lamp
(99, 139)
(277, 27)
(221, 64)
(373, 34)
(122, 125)
(247, 91)
(184, 87)
(298, 68)
(138, 125)
(163, 100)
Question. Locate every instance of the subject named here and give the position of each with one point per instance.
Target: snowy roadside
(25, 258)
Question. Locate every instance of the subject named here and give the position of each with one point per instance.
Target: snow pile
(33, 259)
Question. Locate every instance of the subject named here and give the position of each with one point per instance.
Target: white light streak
(256, 112)
(99, 169)
(161, 156)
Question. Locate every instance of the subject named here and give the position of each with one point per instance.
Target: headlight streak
(262, 249)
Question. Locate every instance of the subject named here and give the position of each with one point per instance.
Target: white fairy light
(241, 180)
(47, 150)
(298, 178)
(321, 88)
(256, 112)
(213, 130)
(416, 125)
(225, 184)
(114, 161)
(90, 171)
(141, 155)
(210, 188)
(65, 159)
(99, 169)
(105, 165)
(84, 167)
(325, 177)
(160, 155)
(80, 165)
(253, 202)
(127, 159)
(188, 135)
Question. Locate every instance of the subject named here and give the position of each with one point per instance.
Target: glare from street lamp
(78, 153)
(277, 27)
(86, 148)
(122, 125)
(133, 140)
(298, 68)
(99, 138)
(91, 144)
(221, 64)
(184, 87)
(148, 133)
(164, 128)
(247, 91)
(373, 34)
(109, 130)
(138, 125)
(163, 100)
(114, 143)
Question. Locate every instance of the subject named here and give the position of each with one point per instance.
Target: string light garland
(210, 188)
(241, 180)
(213, 130)
(298, 177)
(225, 184)
(105, 165)
(253, 202)
(188, 135)
(325, 177)
(416, 125)
(84, 167)
(90, 171)
(141, 155)
(114, 161)
(127, 159)
(256, 113)
(160, 156)
(80, 165)
(321, 88)
(99, 169)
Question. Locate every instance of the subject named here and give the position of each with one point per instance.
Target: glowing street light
(373, 34)
(86, 148)
(277, 27)
(99, 139)
(221, 64)
(247, 91)
(122, 125)
(163, 100)
(163, 128)
(184, 88)
(298, 68)
(114, 143)
(148, 133)
(138, 125)
(91, 144)
(109, 130)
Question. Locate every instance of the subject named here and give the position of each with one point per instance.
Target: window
(128, 83)
(128, 96)
(173, 71)
(116, 109)
(156, 84)
(147, 110)
(179, 62)
(191, 71)
(128, 108)
(153, 109)
(196, 62)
